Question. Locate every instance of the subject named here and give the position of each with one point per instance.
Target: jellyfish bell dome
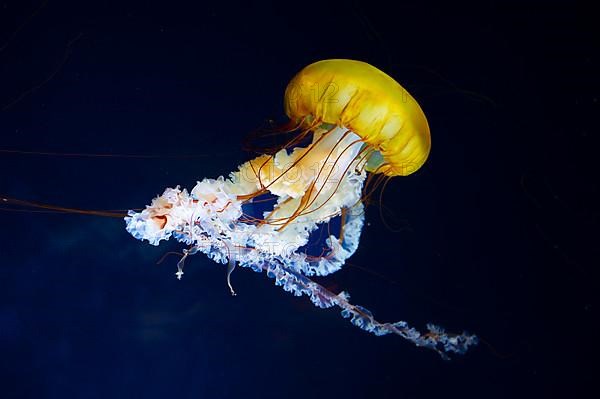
(367, 101)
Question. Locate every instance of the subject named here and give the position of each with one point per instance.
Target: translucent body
(367, 101)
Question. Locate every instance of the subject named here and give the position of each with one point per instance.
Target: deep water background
(496, 234)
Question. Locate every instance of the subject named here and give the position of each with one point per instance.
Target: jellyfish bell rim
(362, 98)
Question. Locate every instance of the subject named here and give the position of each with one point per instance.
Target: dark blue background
(497, 234)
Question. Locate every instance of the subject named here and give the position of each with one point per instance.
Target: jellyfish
(350, 126)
